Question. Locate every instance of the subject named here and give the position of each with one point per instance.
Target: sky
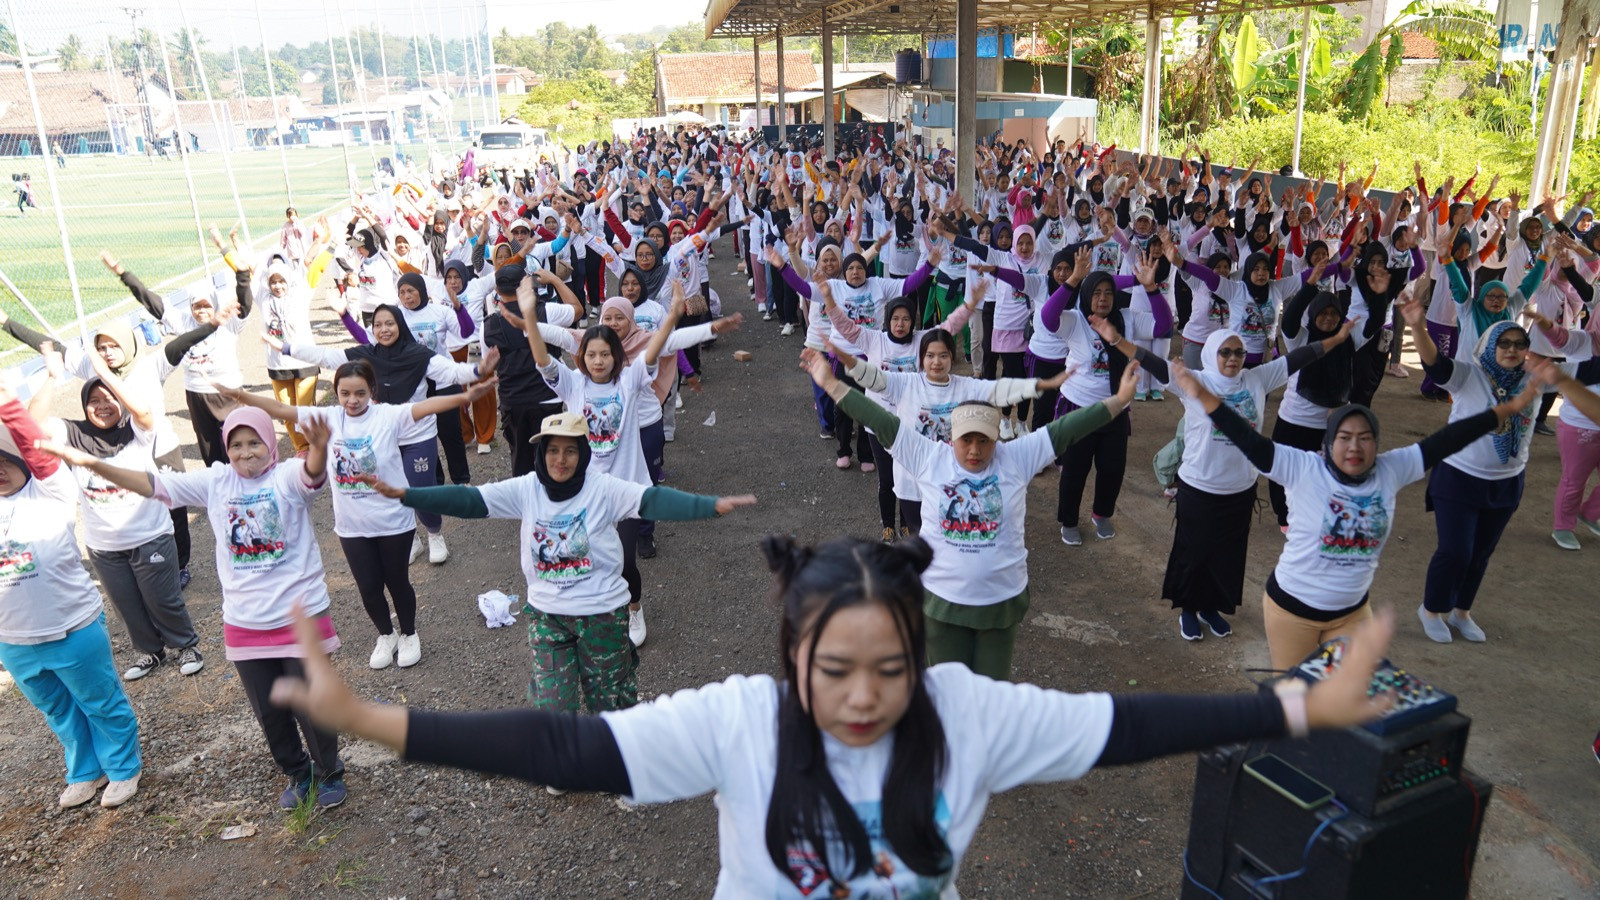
(46, 23)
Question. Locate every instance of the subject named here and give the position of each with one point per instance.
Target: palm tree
(186, 58)
(71, 53)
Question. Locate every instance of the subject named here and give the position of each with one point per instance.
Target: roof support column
(783, 107)
(1150, 113)
(966, 96)
(828, 118)
(755, 47)
(1300, 94)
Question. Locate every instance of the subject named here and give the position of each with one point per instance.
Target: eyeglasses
(1504, 344)
(1231, 353)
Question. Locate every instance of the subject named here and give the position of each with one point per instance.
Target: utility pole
(141, 92)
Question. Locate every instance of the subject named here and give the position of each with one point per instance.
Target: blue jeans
(74, 683)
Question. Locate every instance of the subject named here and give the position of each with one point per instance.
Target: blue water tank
(907, 67)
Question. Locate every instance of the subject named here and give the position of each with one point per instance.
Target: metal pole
(359, 74)
(1300, 94)
(966, 120)
(1069, 61)
(183, 145)
(338, 104)
(488, 51)
(827, 88)
(388, 106)
(272, 91)
(783, 107)
(227, 136)
(1564, 161)
(28, 304)
(1150, 115)
(755, 44)
(49, 175)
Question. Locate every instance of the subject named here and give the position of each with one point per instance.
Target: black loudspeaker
(1243, 834)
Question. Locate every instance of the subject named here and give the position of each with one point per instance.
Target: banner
(1527, 25)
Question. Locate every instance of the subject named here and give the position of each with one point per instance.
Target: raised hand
(1107, 331)
(1187, 381)
(817, 365)
(1413, 312)
(382, 487)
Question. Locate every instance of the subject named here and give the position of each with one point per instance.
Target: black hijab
(1334, 421)
(888, 315)
(1116, 361)
(102, 443)
(561, 491)
(650, 281)
(401, 367)
(1258, 292)
(1327, 381)
(436, 241)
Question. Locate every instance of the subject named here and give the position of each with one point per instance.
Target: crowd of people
(564, 309)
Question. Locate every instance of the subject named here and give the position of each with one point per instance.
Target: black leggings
(1290, 435)
(628, 530)
(911, 515)
(1044, 408)
(1104, 450)
(379, 562)
(450, 440)
(885, 463)
(180, 534)
(206, 412)
(845, 428)
(1012, 365)
(991, 362)
(284, 727)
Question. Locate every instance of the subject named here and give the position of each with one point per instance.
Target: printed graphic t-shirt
(571, 554)
(44, 590)
(266, 550)
(368, 444)
(721, 738)
(973, 520)
(1336, 530)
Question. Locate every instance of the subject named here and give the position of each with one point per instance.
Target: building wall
(1406, 84)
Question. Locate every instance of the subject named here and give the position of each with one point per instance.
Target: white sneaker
(766, 315)
(416, 548)
(79, 793)
(483, 449)
(383, 651)
(410, 651)
(553, 791)
(677, 402)
(636, 630)
(119, 792)
(438, 551)
(1006, 432)
(787, 329)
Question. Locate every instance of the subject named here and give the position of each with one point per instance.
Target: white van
(510, 146)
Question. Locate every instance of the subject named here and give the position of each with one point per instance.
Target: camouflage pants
(586, 658)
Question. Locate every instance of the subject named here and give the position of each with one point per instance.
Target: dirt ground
(1097, 624)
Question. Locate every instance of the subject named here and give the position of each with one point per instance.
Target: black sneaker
(1189, 626)
(190, 661)
(144, 665)
(1218, 625)
(647, 546)
(1543, 427)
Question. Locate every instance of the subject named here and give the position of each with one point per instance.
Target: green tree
(8, 39)
(71, 54)
(1462, 31)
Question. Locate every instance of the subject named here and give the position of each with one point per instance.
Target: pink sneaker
(843, 463)
(867, 466)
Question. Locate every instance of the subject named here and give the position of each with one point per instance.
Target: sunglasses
(1228, 353)
(1504, 344)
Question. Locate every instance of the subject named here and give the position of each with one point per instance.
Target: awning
(873, 105)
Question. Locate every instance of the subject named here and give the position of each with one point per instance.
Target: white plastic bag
(497, 608)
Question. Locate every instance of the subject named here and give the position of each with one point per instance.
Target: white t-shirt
(115, 519)
(368, 444)
(974, 520)
(612, 411)
(1090, 381)
(1471, 393)
(924, 406)
(44, 590)
(571, 554)
(723, 738)
(1256, 323)
(213, 360)
(266, 549)
(1211, 462)
(1336, 530)
(286, 319)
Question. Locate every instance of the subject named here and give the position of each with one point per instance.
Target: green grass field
(139, 209)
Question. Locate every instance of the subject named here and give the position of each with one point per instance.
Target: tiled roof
(1418, 46)
(71, 101)
(732, 74)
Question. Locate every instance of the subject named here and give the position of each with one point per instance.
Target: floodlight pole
(828, 118)
(1300, 96)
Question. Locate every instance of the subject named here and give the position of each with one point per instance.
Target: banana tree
(1460, 29)
(1268, 79)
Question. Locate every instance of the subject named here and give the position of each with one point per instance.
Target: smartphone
(1299, 788)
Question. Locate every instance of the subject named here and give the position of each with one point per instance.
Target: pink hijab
(256, 420)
